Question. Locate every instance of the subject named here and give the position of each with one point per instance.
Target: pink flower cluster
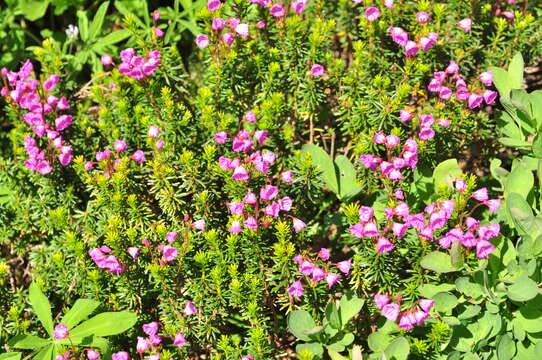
(391, 168)
(109, 164)
(138, 67)
(278, 10)
(315, 273)
(444, 81)
(232, 27)
(401, 37)
(425, 122)
(407, 319)
(23, 89)
(104, 261)
(434, 218)
(247, 211)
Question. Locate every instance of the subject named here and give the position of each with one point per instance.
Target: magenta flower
(228, 38)
(406, 322)
(411, 48)
(422, 17)
(120, 146)
(247, 357)
(452, 68)
(317, 70)
(399, 36)
(372, 13)
(121, 355)
(92, 355)
(235, 227)
(480, 194)
(460, 185)
(484, 248)
(189, 309)
(169, 252)
(202, 41)
(318, 274)
(405, 115)
(179, 340)
(331, 279)
(240, 173)
(142, 345)
(61, 332)
(63, 121)
(199, 224)
(298, 224)
(391, 311)
(218, 24)
(426, 304)
(384, 245)
(260, 135)
(153, 131)
(277, 10)
(242, 29)
(250, 223)
(298, 6)
(221, 137)
(151, 328)
(287, 176)
(160, 144)
(268, 192)
(213, 5)
(323, 254)
(493, 205)
(465, 24)
(486, 78)
(138, 156)
(389, 3)
(489, 96)
(296, 289)
(344, 266)
(381, 300)
(106, 60)
(133, 251)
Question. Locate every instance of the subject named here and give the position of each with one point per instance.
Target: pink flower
(298, 6)
(138, 156)
(158, 32)
(236, 208)
(160, 144)
(344, 266)
(484, 248)
(218, 24)
(406, 322)
(384, 245)
(489, 96)
(392, 141)
(169, 252)
(268, 192)
(260, 24)
(399, 230)
(391, 311)
(121, 355)
(179, 340)
(366, 214)
(240, 173)
(493, 205)
(399, 36)
(142, 345)
(388, 3)
(323, 254)
(221, 137)
(61, 332)
(317, 70)
(318, 274)
(202, 41)
(242, 29)
(199, 224)
(372, 13)
(277, 10)
(426, 304)
(120, 146)
(460, 185)
(235, 227)
(106, 60)
(296, 289)
(250, 223)
(405, 115)
(247, 357)
(475, 101)
(480, 194)
(63, 121)
(465, 24)
(260, 136)
(287, 176)
(50, 83)
(331, 279)
(422, 17)
(150, 328)
(189, 309)
(298, 224)
(411, 48)
(381, 300)
(213, 5)
(445, 93)
(153, 131)
(133, 251)
(228, 38)
(92, 355)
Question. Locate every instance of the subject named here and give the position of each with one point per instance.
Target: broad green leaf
(501, 80)
(445, 302)
(79, 312)
(11, 356)
(83, 24)
(445, 173)
(430, 290)
(111, 39)
(520, 180)
(47, 353)
(332, 316)
(456, 255)
(515, 71)
(33, 9)
(335, 346)
(4, 194)
(398, 349)
(89, 341)
(41, 307)
(28, 342)
(325, 164)
(347, 339)
(335, 355)
(314, 348)
(520, 212)
(300, 321)
(347, 178)
(105, 324)
(469, 289)
(530, 318)
(506, 348)
(349, 306)
(523, 289)
(439, 262)
(517, 143)
(537, 146)
(470, 312)
(97, 21)
(378, 341)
